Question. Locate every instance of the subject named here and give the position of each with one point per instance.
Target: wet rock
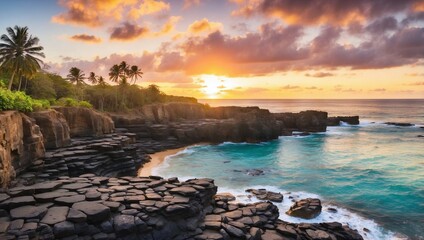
(123, 223)
(233, 231)
(263, 194)
(399, 124)
(306, 208)
(185, 191)
(63, 229)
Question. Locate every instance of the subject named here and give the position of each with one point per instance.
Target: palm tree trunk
(20, 83)
(26, 83)
(11, 80)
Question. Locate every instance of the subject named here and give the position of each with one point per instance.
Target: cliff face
(54, 127)
(21, 143)
(85, 122)
(190, 122)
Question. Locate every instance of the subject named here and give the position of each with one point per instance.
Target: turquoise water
(373, 174)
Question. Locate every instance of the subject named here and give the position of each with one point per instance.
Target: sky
(237, 49)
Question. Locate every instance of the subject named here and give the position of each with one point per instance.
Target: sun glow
(214, 86)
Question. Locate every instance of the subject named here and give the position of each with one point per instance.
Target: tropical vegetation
(25, 86)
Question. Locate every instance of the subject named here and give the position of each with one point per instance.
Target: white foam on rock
(344, 216)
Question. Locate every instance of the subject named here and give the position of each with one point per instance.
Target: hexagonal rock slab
(306, 208)
(95, 212)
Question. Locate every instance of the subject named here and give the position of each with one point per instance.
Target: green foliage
(71, 102)
(40, 104)
(41, 87)
(20, 101)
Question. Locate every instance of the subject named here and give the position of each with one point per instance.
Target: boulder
(54, 127)
(84, 122)
(306, 208)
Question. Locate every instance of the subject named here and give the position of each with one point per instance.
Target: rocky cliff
(85, 122)
(54, 127)
(190, 122)
(21, 144)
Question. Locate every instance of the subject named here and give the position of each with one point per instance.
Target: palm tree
(114, 73)
(20, 54)
(134, 73)
(92, 78)
(76, 76)
(101, 81)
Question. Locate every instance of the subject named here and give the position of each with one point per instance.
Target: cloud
(290, 87)
(320, 75)
(86, 38)
(334, 12)
(190, 3)
(204, 25)
(90, 13)
(416, 83)
(378, 90)
(128, 31)
(169, 26)
(148, 7)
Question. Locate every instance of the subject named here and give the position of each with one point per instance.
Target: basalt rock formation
(85, 122)
(92, 207)
(190, 123)
(21, 144)
(336, 121)
(54, 127)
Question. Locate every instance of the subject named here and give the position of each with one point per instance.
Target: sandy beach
(157, 159)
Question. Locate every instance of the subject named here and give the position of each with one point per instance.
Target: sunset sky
(238, 48)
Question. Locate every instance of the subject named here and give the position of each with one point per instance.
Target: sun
(212, 85)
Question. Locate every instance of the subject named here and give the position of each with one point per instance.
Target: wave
(366, 227)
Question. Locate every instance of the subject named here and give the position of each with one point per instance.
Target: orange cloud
(315, 12)
(91, 13)
(169, 26)
(204, 25)
(128, 31)
(86, 38)
(149, 7)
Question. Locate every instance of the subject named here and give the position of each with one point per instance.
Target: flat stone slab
(50, 196)
(27, 212)
(95, 212)
(75, 186)
(46, 186)
(185, 191)
(76, 216)
(55, 215)
(68, 201)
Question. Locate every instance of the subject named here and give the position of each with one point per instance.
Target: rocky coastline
(70, 173)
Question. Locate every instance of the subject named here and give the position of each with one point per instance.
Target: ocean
(372, 174)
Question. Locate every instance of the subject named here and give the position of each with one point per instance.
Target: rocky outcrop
(190, 123)
(153, 208)
(306, 208)
(305, 121)
(54, 127)
(263, 194)
(85, 122)
(336, 121)
(399, 124)
(21, 144)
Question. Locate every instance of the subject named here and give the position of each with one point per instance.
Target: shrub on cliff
(15, 101)
(71, 102)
